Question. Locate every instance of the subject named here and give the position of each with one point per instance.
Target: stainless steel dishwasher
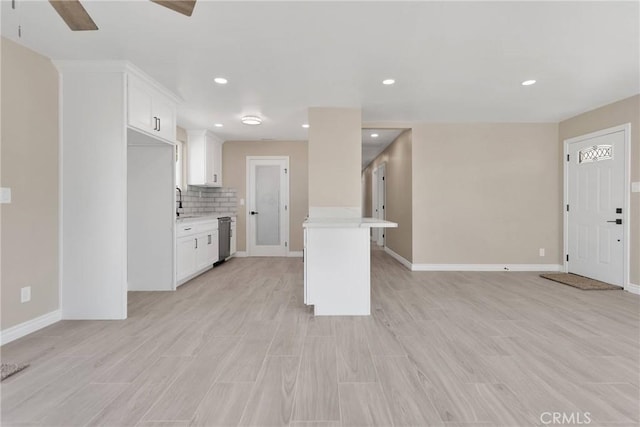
(224, 238)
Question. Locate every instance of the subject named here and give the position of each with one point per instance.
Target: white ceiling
(372, 146)
(453, 61)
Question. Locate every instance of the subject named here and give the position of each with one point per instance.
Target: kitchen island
(337, 279)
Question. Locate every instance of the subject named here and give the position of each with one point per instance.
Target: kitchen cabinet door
(185, 257)
(205, 158)
(213, 163)
(165, 111)
(212, 246)
(149, 110)
(140, 109)
(204, 251)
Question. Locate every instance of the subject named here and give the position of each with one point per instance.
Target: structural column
(335, 160)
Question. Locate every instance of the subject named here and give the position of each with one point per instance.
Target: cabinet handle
(187, 229)
(209, 242)
(215, 177)
(159, 124)
(196, 243)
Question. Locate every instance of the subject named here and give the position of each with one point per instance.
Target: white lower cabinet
(207, 249)
(196, 249)
(185, 257)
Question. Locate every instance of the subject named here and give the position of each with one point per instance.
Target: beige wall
(234, 175)
(181, 134)
(398, 206)
(367, 188)
(335, 153)
(29, 157)
(486, 194)
(618, 113)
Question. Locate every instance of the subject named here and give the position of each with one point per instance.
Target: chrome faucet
(179, 201)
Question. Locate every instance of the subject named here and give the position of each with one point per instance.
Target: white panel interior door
(595, 184)
(268, 215)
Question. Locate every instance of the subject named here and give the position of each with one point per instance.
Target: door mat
(580, 282)
(9, 369)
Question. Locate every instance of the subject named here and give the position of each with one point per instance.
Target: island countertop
(348, 223)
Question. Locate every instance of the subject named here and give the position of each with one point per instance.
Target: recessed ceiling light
(220, 80)
(306, 126)
(528, 82)
(374, 135)
(388, 81)
(218, 125)
(251, 120)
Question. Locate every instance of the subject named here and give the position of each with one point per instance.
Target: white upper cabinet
(205, 158)
(150, 110)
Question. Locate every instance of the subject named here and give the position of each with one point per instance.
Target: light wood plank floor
(236, 346)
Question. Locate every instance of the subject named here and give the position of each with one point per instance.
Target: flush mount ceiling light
(251, 120)
(306, 126)
(374, 135)
(388, 82)
(528, 82)
(220, 80)
(218, 125)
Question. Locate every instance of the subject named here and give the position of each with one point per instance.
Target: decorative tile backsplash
(208, 201)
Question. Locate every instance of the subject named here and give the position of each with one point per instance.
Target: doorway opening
(378, 184)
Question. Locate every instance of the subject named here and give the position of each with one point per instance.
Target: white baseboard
(292, 254)
(487, 267)
(399, 258)
(634, 289)
(30, 326)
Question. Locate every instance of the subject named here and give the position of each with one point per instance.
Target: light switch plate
(5, 195)
(25, 294)
(635, 187)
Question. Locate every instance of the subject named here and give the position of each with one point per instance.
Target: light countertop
(191, 219)
(348, 223)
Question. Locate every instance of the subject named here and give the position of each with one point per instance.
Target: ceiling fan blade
(184, 7)
(74, 14)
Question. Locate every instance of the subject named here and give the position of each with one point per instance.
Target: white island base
(337, 269)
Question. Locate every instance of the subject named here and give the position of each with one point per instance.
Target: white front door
(596, 211)
(267, 206)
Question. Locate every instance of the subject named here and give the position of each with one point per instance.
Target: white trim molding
(399, 258)
(295, 254)
(240, 254)
(487, 267)
(634, 289)
(30, 326)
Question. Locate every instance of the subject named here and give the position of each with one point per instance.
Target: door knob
(617, 221)
(253, 213)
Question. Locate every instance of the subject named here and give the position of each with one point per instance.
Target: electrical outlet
(5, 195)
(541, 251)
(25, 294)
(241, 202)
